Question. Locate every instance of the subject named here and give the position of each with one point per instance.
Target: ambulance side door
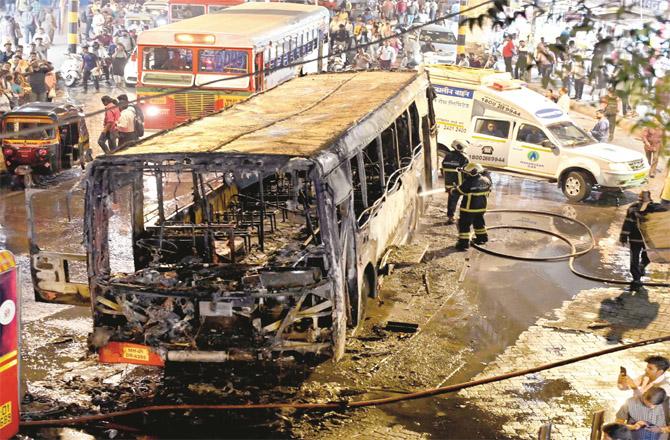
(490, 141)
(530, 151)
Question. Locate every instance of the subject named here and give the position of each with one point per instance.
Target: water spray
(431, 192)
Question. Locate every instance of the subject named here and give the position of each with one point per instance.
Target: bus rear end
(190, 78)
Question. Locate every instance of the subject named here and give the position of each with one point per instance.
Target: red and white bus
(213, 51)
(183, 9)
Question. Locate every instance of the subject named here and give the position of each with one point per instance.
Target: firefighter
(630, 233)
(453, 161)
(475, 190)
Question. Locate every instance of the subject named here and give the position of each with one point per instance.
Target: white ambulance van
(515, 129)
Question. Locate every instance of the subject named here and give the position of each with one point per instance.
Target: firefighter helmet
(473, 169)
(459, 145)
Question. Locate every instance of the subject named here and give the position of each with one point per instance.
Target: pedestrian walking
(630, 233)
(611, 110)
(642, 414)
(601, 130)
(126, 124)
(109, 134)
(452, 167)
(652, 137)
(475, 191)
(545, 59)
(90, 61)
(139, 115)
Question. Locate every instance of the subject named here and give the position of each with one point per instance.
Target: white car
(130, 71)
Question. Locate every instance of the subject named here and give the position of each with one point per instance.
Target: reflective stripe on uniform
(473, 210)
(465, 235)
(480, 231)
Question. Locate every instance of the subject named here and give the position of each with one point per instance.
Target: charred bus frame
(256, 232)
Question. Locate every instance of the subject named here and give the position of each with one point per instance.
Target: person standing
(630, 233)
(652, 137)
(508, 53)
(126, 124)
(27, 23)
(90, 61)
(579, 76)
(412, 12)
(475, 191)
(601, 130)
(109, 134)
(452, 165)
(37, 80)
(545, 62)
(386, 55)
(138, 127)
(520, 70)
(611, 109)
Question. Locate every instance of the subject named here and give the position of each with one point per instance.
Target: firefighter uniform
(630, 233)
(452, 163)
(475, 189)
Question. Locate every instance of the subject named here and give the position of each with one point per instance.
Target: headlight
(153, 111)
(619, 166)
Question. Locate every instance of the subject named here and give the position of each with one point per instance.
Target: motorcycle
(71, 69)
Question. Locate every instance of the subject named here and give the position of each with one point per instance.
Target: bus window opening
(182, 12)
(223, 61)
(168, 58)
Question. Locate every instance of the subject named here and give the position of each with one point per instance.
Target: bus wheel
(358, 299)
(576, 186)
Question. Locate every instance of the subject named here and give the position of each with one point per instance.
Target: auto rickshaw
(46, 136)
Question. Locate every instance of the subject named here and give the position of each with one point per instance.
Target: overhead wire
(263, 71)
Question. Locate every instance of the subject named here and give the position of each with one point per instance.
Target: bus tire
(576, 186)
(358, 299)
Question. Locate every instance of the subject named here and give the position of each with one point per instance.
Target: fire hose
(339, 405)
(431, 392)
(574, 253)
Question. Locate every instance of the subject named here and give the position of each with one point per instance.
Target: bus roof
(330, 113)
(244, 25)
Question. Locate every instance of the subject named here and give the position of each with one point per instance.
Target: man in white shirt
(386, 55)
(126, 124)
(654, 376)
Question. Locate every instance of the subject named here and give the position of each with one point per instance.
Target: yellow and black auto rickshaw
(46, 136)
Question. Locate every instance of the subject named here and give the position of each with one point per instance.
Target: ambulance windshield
(569, 135)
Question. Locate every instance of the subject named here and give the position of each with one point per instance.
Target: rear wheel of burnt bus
(243, 238)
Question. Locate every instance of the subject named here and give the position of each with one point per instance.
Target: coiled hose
(570, 257)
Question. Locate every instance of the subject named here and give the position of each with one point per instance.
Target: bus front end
(178, 84)
(193, 260)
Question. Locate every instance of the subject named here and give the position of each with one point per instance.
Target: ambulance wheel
(576, 186)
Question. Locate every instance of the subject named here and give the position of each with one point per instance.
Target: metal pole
(462, 28)
(73, 26)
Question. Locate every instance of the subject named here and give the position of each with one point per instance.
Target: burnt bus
(255, 233)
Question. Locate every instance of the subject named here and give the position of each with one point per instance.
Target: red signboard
(9, 347)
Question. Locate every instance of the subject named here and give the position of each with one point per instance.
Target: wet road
(502, 298)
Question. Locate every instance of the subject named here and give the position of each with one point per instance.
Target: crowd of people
(27, 31)
(364, 26)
